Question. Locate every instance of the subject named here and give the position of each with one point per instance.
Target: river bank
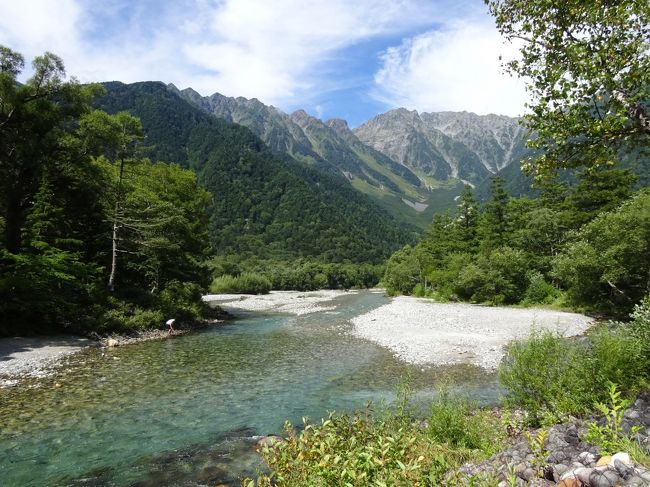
(297, 303)
(37, 357)
(417, 331)
(421, 331)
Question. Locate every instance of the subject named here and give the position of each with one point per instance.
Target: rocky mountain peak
(338, 124)
(303, 119)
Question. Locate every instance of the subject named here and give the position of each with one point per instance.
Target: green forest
(122, 203)
(95, 237)
(585, 246)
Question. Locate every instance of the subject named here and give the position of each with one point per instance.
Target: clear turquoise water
(185, 411)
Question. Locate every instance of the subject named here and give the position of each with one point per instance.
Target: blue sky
(348, 59)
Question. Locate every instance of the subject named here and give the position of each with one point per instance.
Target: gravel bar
(420, 331)
(35, 356)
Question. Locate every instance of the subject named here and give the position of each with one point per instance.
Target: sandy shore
(291, 302)
(34, 356)
(424, 332)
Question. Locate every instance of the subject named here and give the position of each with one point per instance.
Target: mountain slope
(461, 145)
(408, 194)
(263, 205)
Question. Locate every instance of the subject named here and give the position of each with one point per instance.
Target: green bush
(360, 450)
(403, 272)
(640, 325)
(182, 301)
(606, 267)
(546, 376)
(617, 356)
(385, 448)
(125, 317)
(553, 377)
(539, 291)
(245, 283)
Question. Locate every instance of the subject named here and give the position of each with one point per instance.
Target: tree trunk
(116, 226)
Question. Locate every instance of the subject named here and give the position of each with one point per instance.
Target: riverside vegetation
(122, 240)
(586, 245)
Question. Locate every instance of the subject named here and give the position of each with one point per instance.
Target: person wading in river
(169, 324)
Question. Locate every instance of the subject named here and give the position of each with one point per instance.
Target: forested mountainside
(262, 205)
(409, 194)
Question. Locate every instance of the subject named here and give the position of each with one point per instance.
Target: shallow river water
(186, 411)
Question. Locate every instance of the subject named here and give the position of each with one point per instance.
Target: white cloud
(284, 52)
(455, 68)
(35, 26)
(274, 50)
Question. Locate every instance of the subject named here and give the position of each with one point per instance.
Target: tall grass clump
(245, 283)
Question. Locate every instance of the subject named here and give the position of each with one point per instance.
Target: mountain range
(291, 185)
(265, 205)
(411, 164)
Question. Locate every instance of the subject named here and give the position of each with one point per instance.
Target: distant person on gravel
(169, 324)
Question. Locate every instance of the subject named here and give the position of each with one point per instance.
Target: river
(186, 411)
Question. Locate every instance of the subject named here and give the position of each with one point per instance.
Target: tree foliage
(69, 177)
(587, 69)
(589, 239)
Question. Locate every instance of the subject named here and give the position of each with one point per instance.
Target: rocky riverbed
(22, 357)
(566, 460)
(421, 331)
(290, 302)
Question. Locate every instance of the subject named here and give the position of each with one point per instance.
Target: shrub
(539, 291)
(547, 376)
(403, 272)
(124, 317)
(601, 268)
(245, 283)
(182, 300)
(617, 356)
(358, 450)
(640, 325)
(388, 448)
(553, 377)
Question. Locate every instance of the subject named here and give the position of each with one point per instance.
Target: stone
(625, 471)
(528, 474)
(643, 474)
(604, 478)
(636, 482)
(112, 342)
(557, 456)
(558, 470)
(570, 483)
(622, 457)
(588, 459)
(583, 474)
(606, 460)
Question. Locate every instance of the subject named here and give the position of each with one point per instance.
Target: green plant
(245, 283)
(539, 291)
(537, 373)
(456, 422)
(537, 447)
(609, 437)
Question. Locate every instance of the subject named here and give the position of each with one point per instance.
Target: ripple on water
(184, 411)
